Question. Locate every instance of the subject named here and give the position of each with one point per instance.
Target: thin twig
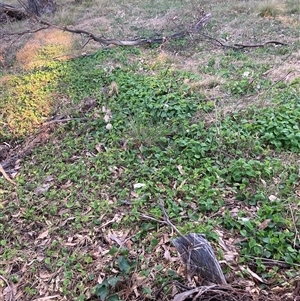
(202, 291)
(174, 282)
(25, 32)
(152, 218)
(161, 205)
(294, 224)
(6, 176)
(238, 46)
(11, 294)
(278, 262)
(280, 80)
(63, 120)
(190, 246)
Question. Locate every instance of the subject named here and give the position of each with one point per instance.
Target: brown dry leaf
(100, 278)
(100, 148)
(68, 219)
(254, 275)
(96, 115)
(221, 241)
(181, 171)
(40, 258)
(273, 198)
(167, 254)
(181, 185)
(113, 89)
(166, 237)
(231, 257)
(44, 275)
(264, 224)
(67, 185)
(129, 244)
(234, 212)
(49, 178)
(8, 293)
(43, 234)
(264, 183)
(41, 189)
(114, 238)
(134, 194)
(139, 280)
(14, 174)
(57, 297)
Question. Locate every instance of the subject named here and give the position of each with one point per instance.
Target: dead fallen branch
(196, 28)
(41, 138)
(141, 41)
(9, 13)
(238, 46)
(21, 33)
(196, 253)
(235, 292)
(241, 46)
(215, 292)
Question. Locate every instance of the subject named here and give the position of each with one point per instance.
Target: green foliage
(26, 101)
(106, 290)
(91, 179)
(280, 127)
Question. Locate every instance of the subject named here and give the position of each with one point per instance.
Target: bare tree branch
(194, 29)
(238, 46)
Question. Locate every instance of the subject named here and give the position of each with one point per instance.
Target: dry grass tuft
(271, 8)
(208, 83)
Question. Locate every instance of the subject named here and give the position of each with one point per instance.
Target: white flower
(109, 126)
(246, 74)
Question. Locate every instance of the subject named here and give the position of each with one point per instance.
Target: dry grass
(44, 46)
(233, 22)
(271, 8)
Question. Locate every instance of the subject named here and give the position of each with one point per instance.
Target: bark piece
(199, 258)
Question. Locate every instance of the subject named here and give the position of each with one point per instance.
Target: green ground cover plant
(138, 127)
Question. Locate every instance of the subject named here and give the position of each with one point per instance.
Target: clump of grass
(271, 8)
(66, 16)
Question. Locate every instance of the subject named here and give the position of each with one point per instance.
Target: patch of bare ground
(288, 158)
(44, 46)
(31, 50)
(286, 70)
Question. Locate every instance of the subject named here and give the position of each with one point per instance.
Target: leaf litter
(55, 245)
